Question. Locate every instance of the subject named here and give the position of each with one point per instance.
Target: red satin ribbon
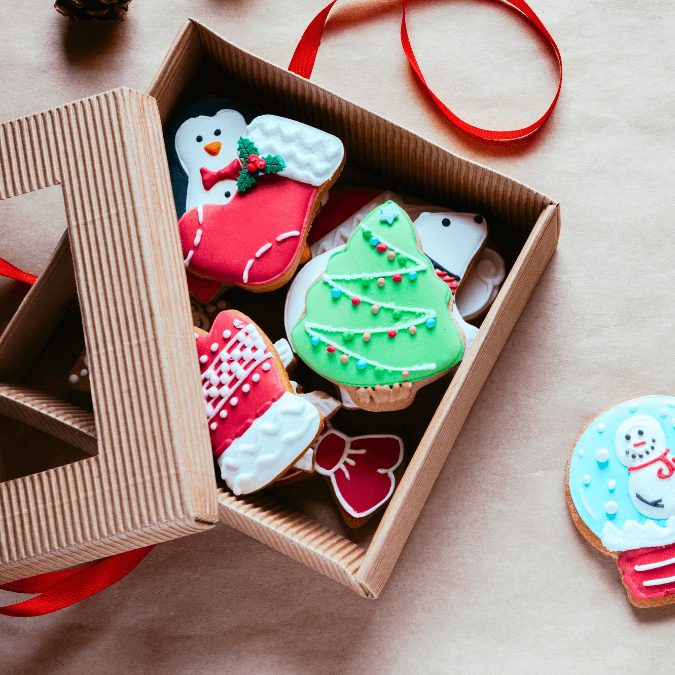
(7, 270)
(62, 589)
(65, 588)
(303, 59)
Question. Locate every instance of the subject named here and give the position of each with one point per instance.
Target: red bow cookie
(360, 469)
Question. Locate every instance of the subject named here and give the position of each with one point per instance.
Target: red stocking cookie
(360, 470)
(248, 213)
(259, 427)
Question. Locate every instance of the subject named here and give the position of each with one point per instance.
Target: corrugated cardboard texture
(408, 158)
(151, 476)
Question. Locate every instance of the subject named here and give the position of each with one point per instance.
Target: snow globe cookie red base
(621, 494)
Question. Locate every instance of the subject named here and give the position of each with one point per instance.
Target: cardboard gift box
(149, 474)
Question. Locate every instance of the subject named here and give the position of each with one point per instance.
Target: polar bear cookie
(253, 191)
(378, 321)
(621, 494)
(259, 427)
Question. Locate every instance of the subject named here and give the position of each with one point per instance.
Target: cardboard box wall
(529, 219)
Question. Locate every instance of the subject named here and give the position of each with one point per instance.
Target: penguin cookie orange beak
(213, 148)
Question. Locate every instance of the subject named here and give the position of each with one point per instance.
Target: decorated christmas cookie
(454, 242)
(621, 494)
(252, 193)
(360, 470)
(259, 427)
(379, 321)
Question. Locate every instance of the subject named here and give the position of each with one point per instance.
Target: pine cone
(93, 10)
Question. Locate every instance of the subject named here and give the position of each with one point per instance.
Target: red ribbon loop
(62, 589)
(303, 59)
(8, 270)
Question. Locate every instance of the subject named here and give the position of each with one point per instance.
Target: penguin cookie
(378, 322)
(259, 427)
(621, 494)
(252, 193)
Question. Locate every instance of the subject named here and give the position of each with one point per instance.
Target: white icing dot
(260, 343)
(224, 378)
(224, 391)
(248, 342)
(213, 378)
(209, 409)
(73, 378)
(611, 507)
(248, 354)
(611, 484)
(602, 455)
(256, 378)
(581, 452)
(587, 480)
(203, 359)
(670, 404)
(246, 388)
(86, 363)
(664, 412)
(223, 414)
(213, 392)
(601, 427)
(236, 354)
(214, 347)
(214, 426)
(633, 408)
(233, 401)
(265, 366)
(84, 372)
(241, 373)
(226, 334)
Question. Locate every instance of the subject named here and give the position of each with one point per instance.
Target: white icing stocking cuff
(285, 352)
(311, 156)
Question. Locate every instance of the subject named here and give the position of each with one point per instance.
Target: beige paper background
(494, 577)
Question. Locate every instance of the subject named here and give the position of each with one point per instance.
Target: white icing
(247, 269)
(193, 156)
(480, 287)
(73, 379)
(186, 262)
(198, 238)
(84, 372)
(658, 582)
(86, 360)
(286, 235)
(263, 249)
(326, 404)
(311, 155)
(306, 462)
(454, 246)
(651, 483)
(285, 352)
(602, 455)
(587, 480)
(653, 566)
(601, 427)
(200, 213)
(273, 443)
(590, 511)
(611, 484)
(637, 535)
(611, 507)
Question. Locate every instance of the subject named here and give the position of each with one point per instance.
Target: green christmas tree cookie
(379, 321)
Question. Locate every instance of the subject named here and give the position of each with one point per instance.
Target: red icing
(392, 333)
(381, 248)
(663, 457)
(210, 178)
(250, 405)
(367, 488)
(202, 289)
(356, 301)
(330, 349)
(232, 233)
(634, 580)
(397, 278)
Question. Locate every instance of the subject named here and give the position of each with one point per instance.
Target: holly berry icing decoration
(360, 470)
(253, 191)
(259, 428)
(621, 494)
(380, 326)
(253, 165)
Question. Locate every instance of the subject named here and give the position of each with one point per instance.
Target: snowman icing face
(210, 143)
(639, 439)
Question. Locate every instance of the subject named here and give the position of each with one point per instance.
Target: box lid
(150, 474)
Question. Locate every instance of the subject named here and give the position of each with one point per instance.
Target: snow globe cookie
(252, 192)
(378, 322)
(621, 494)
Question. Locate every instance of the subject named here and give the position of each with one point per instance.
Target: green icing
(340, 323)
